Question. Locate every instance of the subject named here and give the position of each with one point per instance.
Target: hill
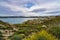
(20, 31)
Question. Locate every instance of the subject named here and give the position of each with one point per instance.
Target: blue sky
(29, 7)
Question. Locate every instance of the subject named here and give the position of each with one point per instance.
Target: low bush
(55, 31)
(42, 35)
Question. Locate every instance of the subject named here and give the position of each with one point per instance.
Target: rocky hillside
(6, 29)
(48, 21)
(23, 30)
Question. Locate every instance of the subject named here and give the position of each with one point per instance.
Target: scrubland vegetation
(36, 29)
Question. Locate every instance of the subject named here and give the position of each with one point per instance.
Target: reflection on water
(15, 20)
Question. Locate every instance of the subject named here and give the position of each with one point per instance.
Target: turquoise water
(15, 20)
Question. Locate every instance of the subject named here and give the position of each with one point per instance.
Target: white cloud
(50, 7)
(18, 8)
(13, 7)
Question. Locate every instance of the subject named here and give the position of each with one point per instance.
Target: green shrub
(55, 31)
(1, 37)
(42, 35)
(17, 37)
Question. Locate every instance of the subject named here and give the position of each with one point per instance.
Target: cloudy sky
(29, 7)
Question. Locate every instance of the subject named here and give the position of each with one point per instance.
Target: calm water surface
(15, 20)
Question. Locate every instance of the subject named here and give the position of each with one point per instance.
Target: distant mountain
(25, 16)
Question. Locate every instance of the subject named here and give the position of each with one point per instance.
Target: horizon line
(24, 16)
